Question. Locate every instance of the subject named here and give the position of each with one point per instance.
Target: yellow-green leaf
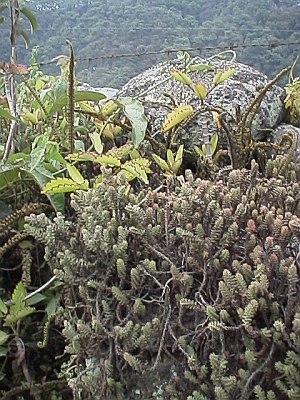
(109, 108)
(108, 160)
(176, 166)
(200, 67)
(179, 153)
(161, 163)
(82, 156)
(200, 90)
(217, 77)
(3, 307)
(226, 75)
(181, 77)
(199, 151)
(213, 143)
(96, 140)
(170, 157)
(75, 174)
(3, 337)
(63, 185)
(176, 116)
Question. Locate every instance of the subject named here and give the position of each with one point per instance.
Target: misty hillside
(100, 28)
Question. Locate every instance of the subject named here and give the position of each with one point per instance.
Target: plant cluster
(190, 290)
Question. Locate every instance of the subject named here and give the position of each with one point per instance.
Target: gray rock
(238, 91)
(107, 91)
(284, 129)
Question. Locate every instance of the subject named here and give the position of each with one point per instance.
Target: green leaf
(213, 143)
(170, 157)
(3, 353)
(63, 185)
(200, 67)
(38, 151)
(181, 77)
(42, 176)
(25, 38)
(30, 17)
(179, 153)
(18, 308)
(217, 77)
(226, 75)
(83, 95)
(37, 298)
(12, 319)
(178, 160)
(3, 337)
(176, 116)
(75, 174)
(3, 307)
(134, 111)
(52, 305)
(96, 140)
(223, 76)
(17, 298)
(200, 90)
(136, 168)
(111, 161)
(82, 157)
(161, 163)
(53, 154)
(6, 115)
(198, 151)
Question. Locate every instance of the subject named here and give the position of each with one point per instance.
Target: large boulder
(156, 88)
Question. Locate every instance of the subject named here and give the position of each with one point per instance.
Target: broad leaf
(170, 157)
(83, 95)
(213, 143)
(30, 17)
(134, 111)
(75, 174)
(181, 77)
(63, 185)
(176, 116)
(38, 151)
(6, 115)
(37, 298)
(200, 67)
(200, 90)
(3, 307)
(161, 163)
(3, 337)
(111, 161)
(96, 140)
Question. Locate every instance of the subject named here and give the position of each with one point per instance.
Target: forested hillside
(100, 27)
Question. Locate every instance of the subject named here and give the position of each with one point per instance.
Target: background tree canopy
(100, 28)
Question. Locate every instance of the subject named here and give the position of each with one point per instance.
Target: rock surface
(152, 85)
(284, 129)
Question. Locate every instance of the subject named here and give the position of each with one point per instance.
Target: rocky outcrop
(157, 89)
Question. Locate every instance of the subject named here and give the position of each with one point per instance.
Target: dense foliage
(148, 270)
(189, 291)
(99, 28)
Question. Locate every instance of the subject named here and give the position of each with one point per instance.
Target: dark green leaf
(30, 17)
(61, 101)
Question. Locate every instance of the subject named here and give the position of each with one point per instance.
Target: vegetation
(147, 270)
(100, 28)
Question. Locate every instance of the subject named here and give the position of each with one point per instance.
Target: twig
(244, 394)
(40, 289)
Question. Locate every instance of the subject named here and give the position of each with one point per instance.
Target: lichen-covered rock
(287, 129)
(156, 88)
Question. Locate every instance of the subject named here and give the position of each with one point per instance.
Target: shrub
(189, 290)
